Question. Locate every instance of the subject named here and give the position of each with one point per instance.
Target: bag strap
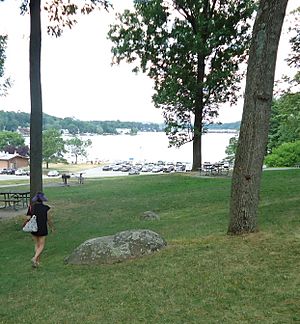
(29, 211)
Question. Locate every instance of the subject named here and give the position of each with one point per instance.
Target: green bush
(285, 155)
(231, 149)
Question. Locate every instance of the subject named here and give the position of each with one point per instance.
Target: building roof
(7, 156)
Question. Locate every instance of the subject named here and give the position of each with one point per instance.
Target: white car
(188, 167)
(53, 173)
(21, 172)
(134, 172)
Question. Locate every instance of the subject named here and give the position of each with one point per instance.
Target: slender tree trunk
(256, 116)
(197, 140)
(36, 120)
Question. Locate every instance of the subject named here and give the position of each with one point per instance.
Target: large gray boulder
(117, 248)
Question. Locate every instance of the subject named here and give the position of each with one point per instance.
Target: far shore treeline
(11, 121)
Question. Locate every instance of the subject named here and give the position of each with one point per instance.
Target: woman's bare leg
(35, 243)
(39, 247)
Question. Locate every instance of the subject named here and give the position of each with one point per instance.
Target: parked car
(125, 168)
(147, 168)
(138, 166)
(21, 172)
(134, 172)
(188, 167)
(10, 171)
(117, 167)
(53, 173)
(107, 168)
(169, 168)
(180, 168)
(157, 168)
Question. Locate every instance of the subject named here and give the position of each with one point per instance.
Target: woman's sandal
(34, 263)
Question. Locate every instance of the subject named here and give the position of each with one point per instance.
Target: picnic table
(214, 169)
(14, 199)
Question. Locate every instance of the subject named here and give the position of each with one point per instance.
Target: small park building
(13, 161)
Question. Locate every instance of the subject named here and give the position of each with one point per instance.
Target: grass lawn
(203, 276)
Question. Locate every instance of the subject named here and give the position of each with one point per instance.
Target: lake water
(153, 147)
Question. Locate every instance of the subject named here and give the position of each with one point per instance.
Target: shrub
(285, 155)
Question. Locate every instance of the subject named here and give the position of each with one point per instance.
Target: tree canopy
(64, 14)
(285, 120)
(5, 83)
(294, 56)
(192, 50)
(10, 138)
(77, 147)
(53, 146)
(61, 14)
(10, 120)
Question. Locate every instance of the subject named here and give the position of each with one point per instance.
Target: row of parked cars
(7, 171)
(24, 172)
(15, 171)
(158, 167)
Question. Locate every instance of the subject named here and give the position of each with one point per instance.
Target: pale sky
(77, 77)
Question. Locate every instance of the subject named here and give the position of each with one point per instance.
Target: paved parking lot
(90, 173)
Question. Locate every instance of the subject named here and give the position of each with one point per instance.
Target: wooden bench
(9, 202)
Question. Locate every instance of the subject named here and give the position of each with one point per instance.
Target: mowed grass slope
(203, 276)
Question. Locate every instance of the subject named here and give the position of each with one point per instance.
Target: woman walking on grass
(41, 211)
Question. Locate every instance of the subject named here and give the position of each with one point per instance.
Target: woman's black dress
(41, 212)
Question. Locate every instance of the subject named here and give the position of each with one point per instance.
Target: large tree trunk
(256, 116)
(36, 119)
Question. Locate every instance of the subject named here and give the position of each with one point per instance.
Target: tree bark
(36, 118)
(197, 140)
(256, 116)
(197, 143)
